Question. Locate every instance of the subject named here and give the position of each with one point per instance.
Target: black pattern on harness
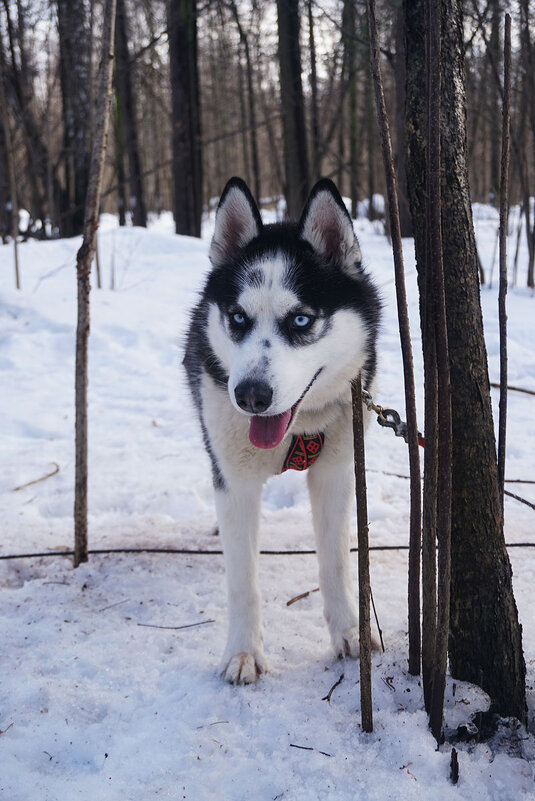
(303, 451)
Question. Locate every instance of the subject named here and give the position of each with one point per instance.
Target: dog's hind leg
(238, 510)
(331, 496)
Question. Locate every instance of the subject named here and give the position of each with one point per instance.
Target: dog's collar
(303, 451)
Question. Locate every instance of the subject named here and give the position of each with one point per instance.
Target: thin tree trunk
(504, 222)
(83, 270)
(405, 219)
(365, 638)
(370, 133)
(119, 159)
(186, 118)
(405, 337)
(11, 170)
(293, 108)
(494, 105)
(125, 94)
(75, 72)
(315, 160)
(253, 133)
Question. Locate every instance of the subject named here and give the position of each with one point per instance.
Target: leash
(389, 418)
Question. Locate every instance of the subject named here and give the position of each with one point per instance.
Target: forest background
(277, 93)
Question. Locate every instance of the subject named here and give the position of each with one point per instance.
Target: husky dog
(287, 319)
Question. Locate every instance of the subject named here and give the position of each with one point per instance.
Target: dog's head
(291, 311)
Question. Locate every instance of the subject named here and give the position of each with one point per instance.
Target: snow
(95, 701)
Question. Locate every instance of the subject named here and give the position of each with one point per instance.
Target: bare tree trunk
(118, 152)
(529, 83)
(83, 269)
(405, 219)
(253, 133)
(365, 638)
(125, 99)
(493, 112)
(315, 159)
(504, 222)
(12, 183)
(293, 108)
(406, 348)
(370, 135)
(485, 635)
(437, 301)
(75, 71)
(349, 27)
(186, 117)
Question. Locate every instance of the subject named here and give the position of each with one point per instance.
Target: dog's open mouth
(267, 431)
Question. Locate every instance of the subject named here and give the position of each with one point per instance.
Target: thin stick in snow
(333, 688)
(176, 628)
(406, 350)
(83, 270)
(365, 636)
(53, 472)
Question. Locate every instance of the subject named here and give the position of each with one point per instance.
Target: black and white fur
(286, 320)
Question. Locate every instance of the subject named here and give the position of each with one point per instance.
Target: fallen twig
(333, 688)
(54, 472)
(176, 628)
(308, 748)
(300, 597)
(3, 731)
(111, 606)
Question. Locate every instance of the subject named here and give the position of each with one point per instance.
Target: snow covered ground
(96, 701)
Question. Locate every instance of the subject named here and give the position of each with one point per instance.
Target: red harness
(303, 451)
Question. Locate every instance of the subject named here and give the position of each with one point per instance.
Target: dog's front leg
(331, 487)
(238, 510)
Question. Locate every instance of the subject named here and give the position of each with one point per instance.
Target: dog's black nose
(253, 396)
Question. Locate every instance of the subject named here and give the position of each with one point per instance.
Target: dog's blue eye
(301, 321)
(238, 318)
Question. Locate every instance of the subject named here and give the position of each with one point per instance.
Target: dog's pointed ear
(326, 225)
(237, 221)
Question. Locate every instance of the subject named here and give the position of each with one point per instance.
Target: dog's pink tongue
(267, 432)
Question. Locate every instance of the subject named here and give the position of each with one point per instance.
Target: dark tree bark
(125, 100)
(370, 143)
(75, 72)
(485, 636)
(19, 92)
(119, 154)
(401, 148)
(495, 51)
(350, 57)
(186, 117)
(293, 108)
(8, 190)
(315, 159)
(5, 155)
(406, 349)
(528, 49)
(251, 104)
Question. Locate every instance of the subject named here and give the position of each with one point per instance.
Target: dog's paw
(348, 644)
(242, 669)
